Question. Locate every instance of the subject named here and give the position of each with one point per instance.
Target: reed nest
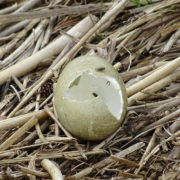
(140, 38)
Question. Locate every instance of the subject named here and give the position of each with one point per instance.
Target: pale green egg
(90, 98)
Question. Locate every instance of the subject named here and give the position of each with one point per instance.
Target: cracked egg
(90, 98)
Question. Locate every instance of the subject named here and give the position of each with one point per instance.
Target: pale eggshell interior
(88, 86)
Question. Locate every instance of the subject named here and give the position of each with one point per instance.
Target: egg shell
(82, 94)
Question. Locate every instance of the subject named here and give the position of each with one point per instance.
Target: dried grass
(141, 39)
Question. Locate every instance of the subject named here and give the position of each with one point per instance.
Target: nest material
(141, 39)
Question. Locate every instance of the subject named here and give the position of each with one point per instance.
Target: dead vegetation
(141, 38)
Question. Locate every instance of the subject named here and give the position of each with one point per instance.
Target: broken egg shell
(90, 98)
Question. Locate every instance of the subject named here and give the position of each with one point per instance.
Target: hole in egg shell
(87, 86)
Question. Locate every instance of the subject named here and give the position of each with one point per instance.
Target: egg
(90, 98)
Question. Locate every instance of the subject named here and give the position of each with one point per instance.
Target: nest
(140, 38)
